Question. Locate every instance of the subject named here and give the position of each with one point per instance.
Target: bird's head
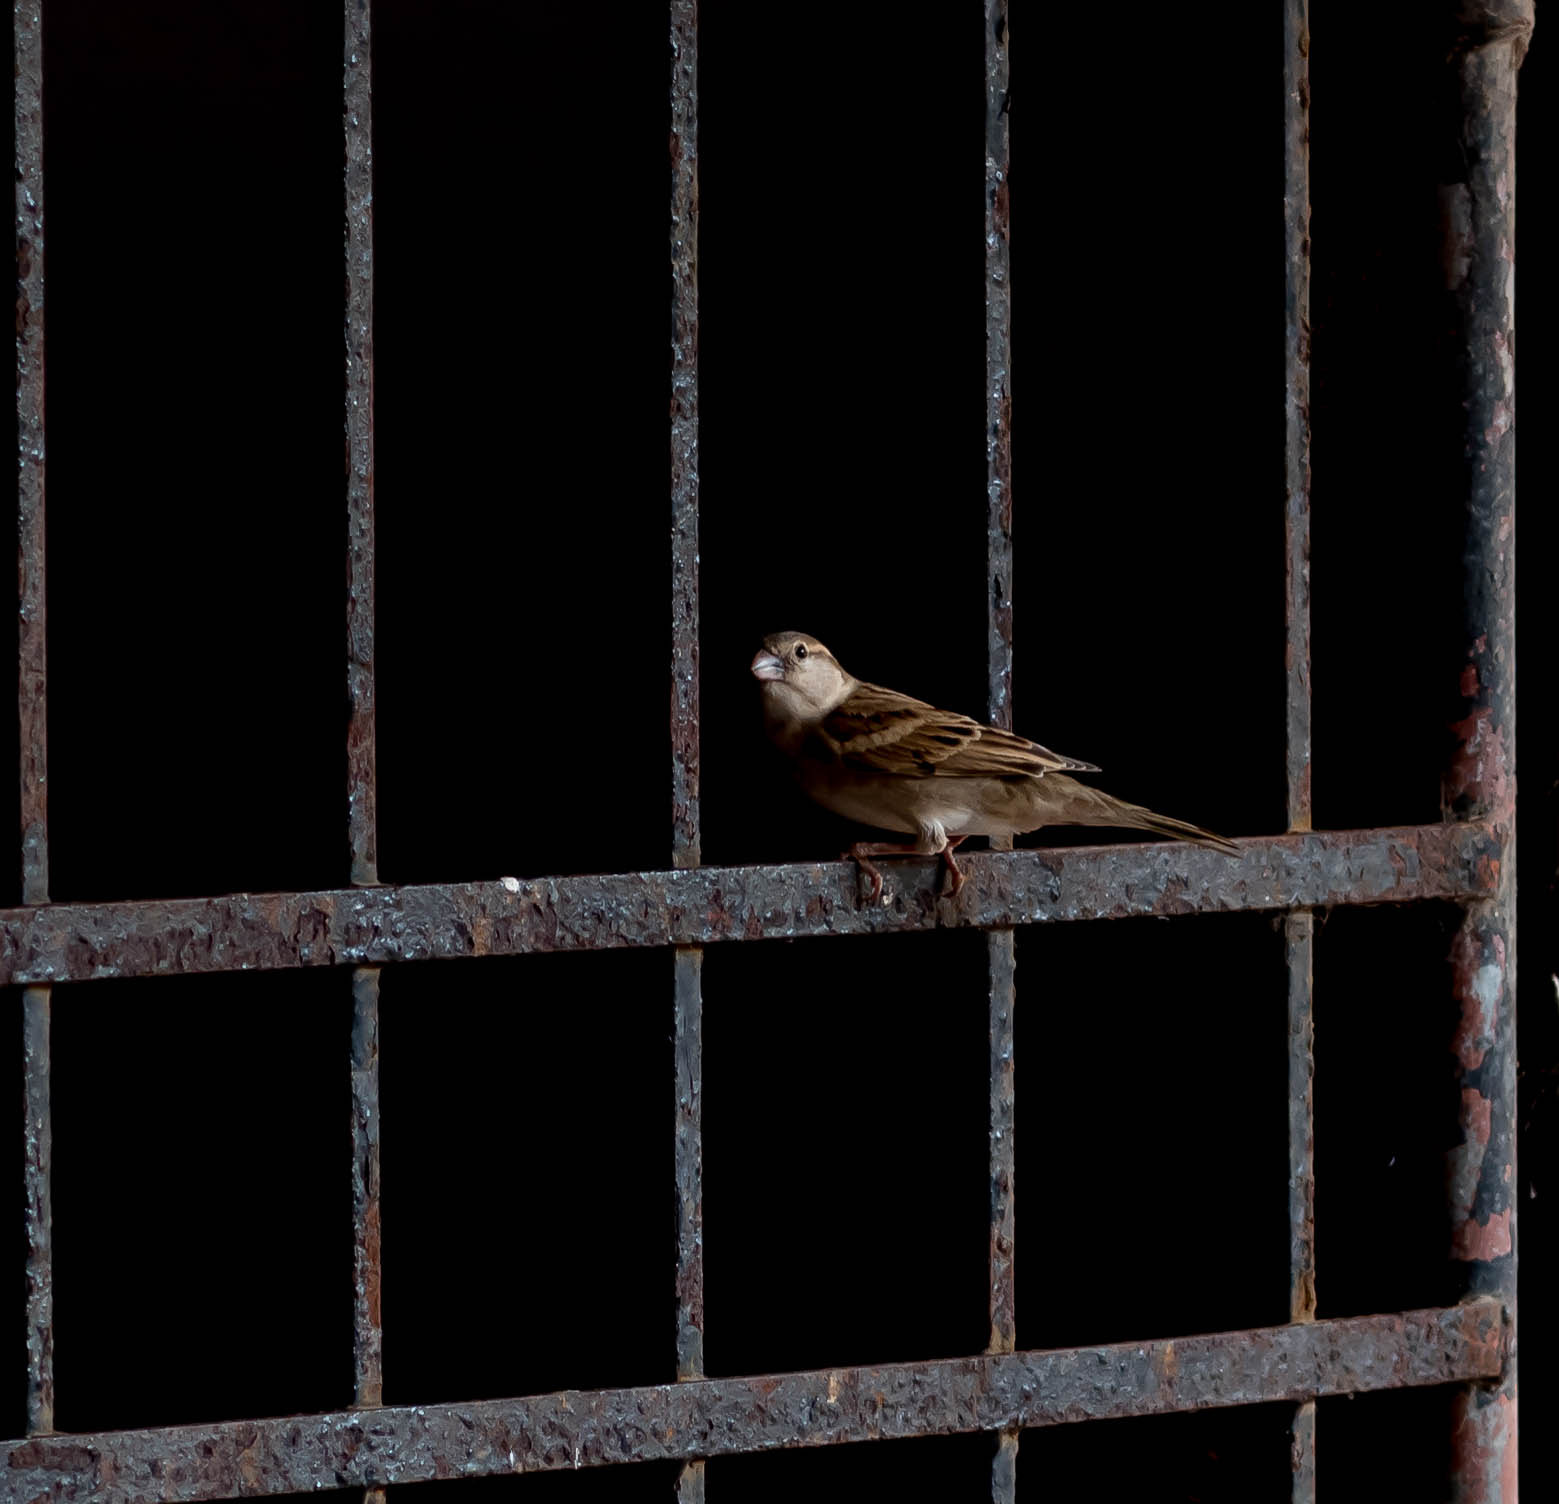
(802, 681)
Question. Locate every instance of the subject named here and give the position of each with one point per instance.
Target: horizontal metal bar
(372, 927)
(719, 1417)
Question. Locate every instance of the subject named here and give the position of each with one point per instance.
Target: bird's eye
(801, 650)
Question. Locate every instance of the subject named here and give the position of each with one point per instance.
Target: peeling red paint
(1484, 1444)
(1476, 1115)
(1479, 769)
(1482, 1241)
(1470, 681)
(1478, 1024)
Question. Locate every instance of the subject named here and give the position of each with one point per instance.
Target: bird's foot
(952, 866)
(863, 851)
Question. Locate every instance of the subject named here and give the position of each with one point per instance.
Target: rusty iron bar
(32, 660)
(1298, 927)
(377, 926)
(1299, 945)
(1002, 1292)
(38, 1147)
(1000, 949)
(361, 756)
(367, 1326)
(1296, 363)
(1480, 778)
(1301, 1453)
(32, 707)
(998, 374)
(689, 1049)
(684, 433)
(686, 841)
(722, 1417)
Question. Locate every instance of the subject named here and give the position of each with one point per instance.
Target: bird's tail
(1082, 805)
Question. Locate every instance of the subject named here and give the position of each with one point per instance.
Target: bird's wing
(879, 731)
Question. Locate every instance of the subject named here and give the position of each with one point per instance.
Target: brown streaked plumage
(883, 759)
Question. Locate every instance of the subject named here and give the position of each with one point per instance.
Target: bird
(884, 759)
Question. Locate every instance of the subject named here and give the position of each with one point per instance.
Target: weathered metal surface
(719, 1417)
(1480, 778)
(690, 1483)
(998, 374)
(689, 1047)
(32, 681)
(362, 792)
(708, 905)
(686, 843)
(1004, 1468)
(367, 1324)
(1296, 367)
(1301, 1454)
(1298, 928)
(684, 433)
(38, 1150)
(1002, 1290)
(1299, 945)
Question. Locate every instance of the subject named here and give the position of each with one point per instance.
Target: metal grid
(1468, 858)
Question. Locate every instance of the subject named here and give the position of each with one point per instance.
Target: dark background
(197, 712)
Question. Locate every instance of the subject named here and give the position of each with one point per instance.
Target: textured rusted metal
(1301, 1452)
(1004, 1468)
(367, 1326)
(708, 905)
(1001, 958)
(1480, 779)
(1002, 1291)
(686, 845)
(684, 433)
(720, 1417)
(32, 698)
(1298, 928)
(362, 780)
(38, 1150)
(689, 1048)
(998, 374)
(1299, 944)
(1296, 363)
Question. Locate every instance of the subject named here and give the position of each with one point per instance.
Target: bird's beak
(767, 666)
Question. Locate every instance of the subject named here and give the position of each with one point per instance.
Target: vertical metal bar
(1296, 352)
(1298, 928)
(32, 701)
(39, 1148)
(1299, 942)
(684, 433)
(362, 771)
(1000, 954)
(32, 682)
(367, 1331)
(362, 787)
(1481, 235)
(685, 837)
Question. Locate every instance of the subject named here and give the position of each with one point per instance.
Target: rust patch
(1483, 1241)
(1477, 1111)
(1478, 984)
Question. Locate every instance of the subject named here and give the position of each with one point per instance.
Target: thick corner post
(1480, 229)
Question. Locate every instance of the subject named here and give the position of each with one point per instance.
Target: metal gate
(1467, 858)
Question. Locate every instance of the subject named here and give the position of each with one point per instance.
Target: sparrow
(883, 759)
